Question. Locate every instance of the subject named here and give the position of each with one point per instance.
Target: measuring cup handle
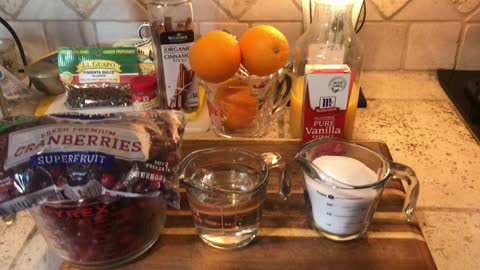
(275, 160)
(404, 172)
(283, 89)
(141, 28)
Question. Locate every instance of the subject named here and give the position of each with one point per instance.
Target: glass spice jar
(144, 93)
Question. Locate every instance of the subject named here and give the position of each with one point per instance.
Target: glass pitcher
(329, 40)
(344, 181)
(244, 105)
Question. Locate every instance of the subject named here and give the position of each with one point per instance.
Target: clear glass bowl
(101, 232)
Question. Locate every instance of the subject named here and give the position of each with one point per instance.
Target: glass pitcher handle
(406, 173)
(284, 87)
(140, 31)
(275, 160)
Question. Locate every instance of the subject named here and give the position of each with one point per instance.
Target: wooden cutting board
(285, 240)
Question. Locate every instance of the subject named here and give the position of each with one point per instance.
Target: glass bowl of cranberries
(104, 231)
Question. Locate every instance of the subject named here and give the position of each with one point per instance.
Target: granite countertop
(407, 110)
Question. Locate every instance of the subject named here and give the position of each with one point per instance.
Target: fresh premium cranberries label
(327, 92)
(124, 143)
(71, 158)
(94, 157)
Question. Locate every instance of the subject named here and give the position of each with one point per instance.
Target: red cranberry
(119, 187)
(56, 171)
(126, 239)
(107, 180)
(141, 187)
(61, 181)
(124, 229)
(5, 194)
(173, 159)
(155, 184)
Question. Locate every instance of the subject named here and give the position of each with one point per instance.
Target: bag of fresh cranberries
(80, 156)
(96, 185)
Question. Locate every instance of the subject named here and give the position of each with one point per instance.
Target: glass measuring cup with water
(344, 182)
(226, 188)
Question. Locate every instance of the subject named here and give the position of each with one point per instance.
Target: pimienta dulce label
(109, 65)
(327, 92)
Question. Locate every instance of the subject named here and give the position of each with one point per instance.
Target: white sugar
(342, 211)
(346, 170)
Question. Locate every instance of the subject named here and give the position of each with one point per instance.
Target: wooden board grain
(285, 240)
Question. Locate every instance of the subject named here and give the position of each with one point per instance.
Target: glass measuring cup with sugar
(226, 188)
(344, 182)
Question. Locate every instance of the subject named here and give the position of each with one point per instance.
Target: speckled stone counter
(408, 111)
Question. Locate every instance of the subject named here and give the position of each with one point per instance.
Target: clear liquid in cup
(225, 219)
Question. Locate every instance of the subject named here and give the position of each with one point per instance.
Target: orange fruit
(238, 106)
(215, 57)
(264, 50)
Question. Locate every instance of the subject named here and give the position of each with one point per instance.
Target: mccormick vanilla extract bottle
(327, 68)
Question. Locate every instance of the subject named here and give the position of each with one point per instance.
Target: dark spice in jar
(97, 77)
(87, 96)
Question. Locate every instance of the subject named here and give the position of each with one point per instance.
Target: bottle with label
(327, 68)
(144, 93)
(171, 24)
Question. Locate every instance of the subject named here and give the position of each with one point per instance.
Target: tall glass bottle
(171, 24)
(330, 40)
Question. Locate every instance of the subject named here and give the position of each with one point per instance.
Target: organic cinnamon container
(144, 93)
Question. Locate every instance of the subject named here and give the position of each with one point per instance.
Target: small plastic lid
(143, 83)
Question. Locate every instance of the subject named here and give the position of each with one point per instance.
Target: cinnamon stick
(180, 86)
(168, 24)
(188, 24)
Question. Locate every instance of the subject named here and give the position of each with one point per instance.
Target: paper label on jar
(327, 93)
(145, 102)
(123, 142)
(180, 81)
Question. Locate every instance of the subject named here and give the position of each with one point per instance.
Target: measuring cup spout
(184, 181)
(183, 177)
